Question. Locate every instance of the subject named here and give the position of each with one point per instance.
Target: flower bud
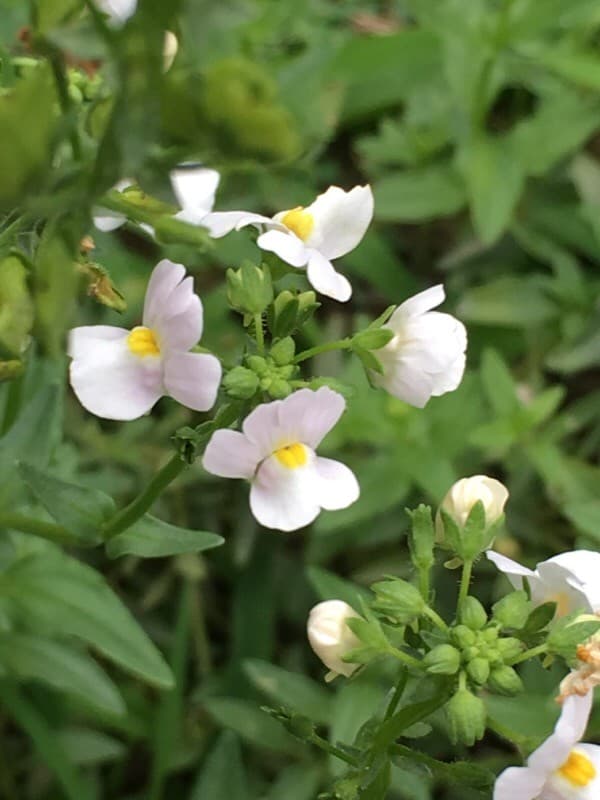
(509, 648)
(330, 637)
(283, 352)
(442, 660)
(472, 614)
(399, 600)
(258, 364)
(504, 680)
(249, 289)
(478, 670)
(279, 388)
(466, 716)
(241, 383)
(512, 611)
(465, 493)
(462, 636)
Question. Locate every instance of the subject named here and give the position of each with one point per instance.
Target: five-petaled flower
(120, 374)
(331, 638)
(561, 768)
(275, 451)
(570, 580)
(426, 357)
(310, 237)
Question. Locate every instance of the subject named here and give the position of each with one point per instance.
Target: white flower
(194, 187)
(463, 495)
(426, 358)
(561, 768)
(330, 637)
(105, 219)
(118, 11)
(570, 580)
(309, 237)
(121, 374)
(276, 452)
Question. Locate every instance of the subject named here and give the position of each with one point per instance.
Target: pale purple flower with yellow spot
(275, 451)
(330, 637)
(561, 768)
(120, 374)
(570, 580)
(310, 237)
(426, 356)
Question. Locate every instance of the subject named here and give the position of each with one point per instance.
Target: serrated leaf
(150, 537)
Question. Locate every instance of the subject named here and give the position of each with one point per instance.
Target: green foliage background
(477, 124)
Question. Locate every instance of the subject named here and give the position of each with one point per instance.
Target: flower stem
(39, 527)
(407, 660)
(531, 653)
(323, 744)
(259, 334)
(424, 583)
(340, 344)
(138, 507)
(435, 618)
(464, 583)
(398, 691)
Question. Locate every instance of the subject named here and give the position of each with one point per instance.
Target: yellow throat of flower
(299, 221)
(292, 456)
(563, 603)
(578, 769)
(142, 342)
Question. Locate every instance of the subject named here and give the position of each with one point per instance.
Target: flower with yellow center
(561, 768)
(310, 237)
(121, 374)
(570, 580)
(275, 451)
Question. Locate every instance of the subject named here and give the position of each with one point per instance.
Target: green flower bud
(422, 537)
(462, 636)
(249, 289)
(466, 715)
(489, 635)
(287, 372)
(478, 670)
(279, 389)
(258, 364)
(471, 652)
(512, 611)
(509, 648)
(283, 352)
(442, 660)
(504, 680)
(399, 600)
(492, 654)
(241, 383)
(472, 614)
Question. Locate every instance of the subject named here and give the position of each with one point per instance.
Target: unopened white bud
(170, 48)
(465, 493)
(331, 638)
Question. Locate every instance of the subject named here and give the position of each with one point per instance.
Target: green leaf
(329, 586)
(290, 689)
(409, 715)
(55, 593)
(498, 383)
(495, 181)
(298, 782)
(252, 724)
(89, 748)
(61, 667)
(150, 537)
(16, 308)
(223, 775)
(586, 516)
(417, 195)
(579, 66)
(81, 510)
(510, 301)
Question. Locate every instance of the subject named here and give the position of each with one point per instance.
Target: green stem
(138, 507)
(39, 527)
(464, 583)
(424, 587)
(259, 334)
(340, 344)
(398, 691)
(323, 744)
(408, 661)
(531, 653)
(66, 103)
(435, 618)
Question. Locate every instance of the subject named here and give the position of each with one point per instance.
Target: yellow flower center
(292, 456)
(578, 769)
(142, 342)
(300, 222)
(563, 603)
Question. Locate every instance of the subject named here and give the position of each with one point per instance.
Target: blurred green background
(477, 122)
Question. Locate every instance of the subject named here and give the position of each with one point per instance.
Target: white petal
(119, 11)
(308, 416)
(287, 246)
(195, 189)
(108, 379)
(569, 730)
(341, 220)
(518, 783)
(219, 223)
(106, 220)
(580, 569)
(421, 303)
(262, 428)
(284, 499)
(230, 454)
(337, 487)
(192, 379)
(324, 278)
(172, 308)
(514, 572)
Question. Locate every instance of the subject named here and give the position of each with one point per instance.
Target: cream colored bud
(330, 637)
(170, 48)
(468, 491)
